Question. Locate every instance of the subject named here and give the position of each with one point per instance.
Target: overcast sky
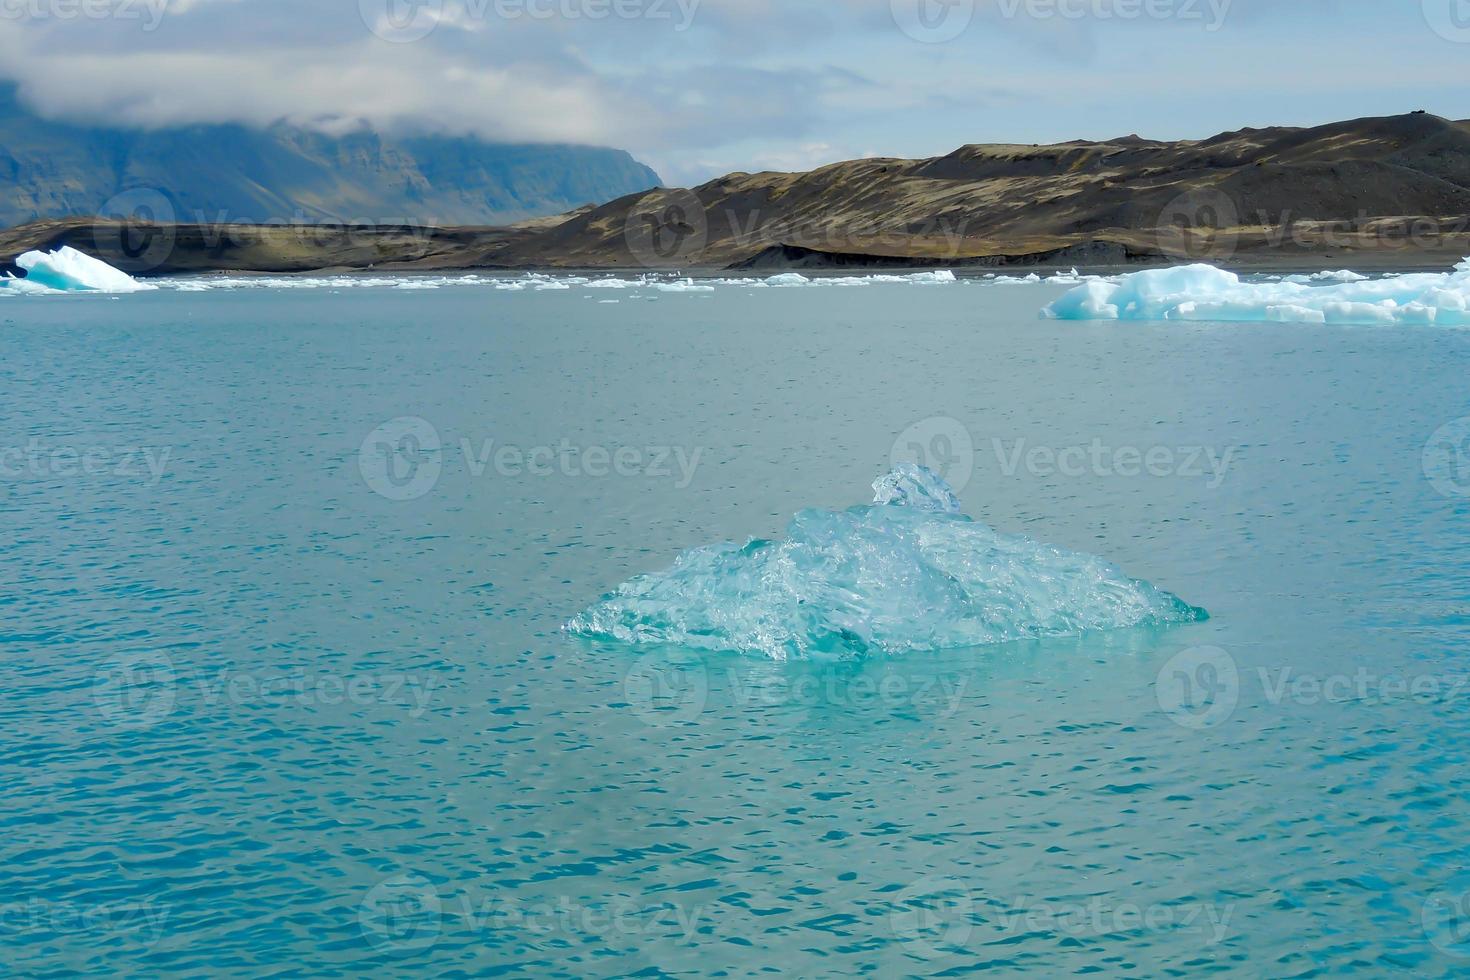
(697, 88)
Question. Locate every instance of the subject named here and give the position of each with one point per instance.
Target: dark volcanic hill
(1343, 187)
(284, 173)
(1392, 191)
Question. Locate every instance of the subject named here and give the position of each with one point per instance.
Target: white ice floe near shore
(1205, 293)
(1342, 275)
(789, 279)
(67, 270)
(682, 286)
(544, 282)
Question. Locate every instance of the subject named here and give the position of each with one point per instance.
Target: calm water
(281, 700)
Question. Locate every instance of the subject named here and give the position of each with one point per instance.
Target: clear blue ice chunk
(907, 574)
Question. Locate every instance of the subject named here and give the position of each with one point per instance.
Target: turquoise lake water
(287, 692)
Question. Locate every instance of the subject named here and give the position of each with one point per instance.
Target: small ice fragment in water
(918, 487)
(907, 574)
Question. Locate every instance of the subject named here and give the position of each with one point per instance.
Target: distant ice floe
(906, 574)
(67, 270)
(789, 279)
(682, 286)
(1203, 292)
(1343, 275)
(89, 270)
(1199, 292)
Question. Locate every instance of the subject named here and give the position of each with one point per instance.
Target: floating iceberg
(1203, 292)
(908, 574)
(67, 270)
(788, 279)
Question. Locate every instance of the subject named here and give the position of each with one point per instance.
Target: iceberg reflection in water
(906, 574)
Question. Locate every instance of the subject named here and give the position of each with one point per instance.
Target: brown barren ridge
(1376, 193)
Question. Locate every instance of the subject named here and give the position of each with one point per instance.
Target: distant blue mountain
(210, 173)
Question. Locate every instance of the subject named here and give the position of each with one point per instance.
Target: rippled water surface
(283, 576)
